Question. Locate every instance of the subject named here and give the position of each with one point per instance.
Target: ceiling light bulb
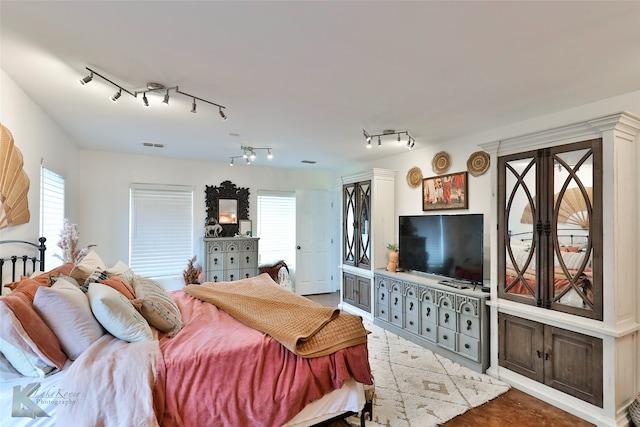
(248, 161)
(166, 98)
(252, 156)
(116, 95)
(366, 135)
(269, 155)
(145, 101)
(86, 80)
(368, 143)
(222, 114)
(231, 164)
(193, 106)
(244, 155)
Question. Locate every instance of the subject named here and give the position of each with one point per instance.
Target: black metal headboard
(28, 263)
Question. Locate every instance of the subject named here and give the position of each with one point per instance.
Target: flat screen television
(445, 245)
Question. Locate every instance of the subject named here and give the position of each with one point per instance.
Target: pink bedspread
(218, 372)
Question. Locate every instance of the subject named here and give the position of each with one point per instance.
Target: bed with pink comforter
(216, 372)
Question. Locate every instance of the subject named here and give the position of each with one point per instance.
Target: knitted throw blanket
(305, 327)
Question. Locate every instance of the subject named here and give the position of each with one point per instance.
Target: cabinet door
(574, 243)
(348, 288)
(573, 364)
(521, 344)
(363, 293)
(364, 225)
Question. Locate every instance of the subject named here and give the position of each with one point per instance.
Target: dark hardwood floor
(513, 408)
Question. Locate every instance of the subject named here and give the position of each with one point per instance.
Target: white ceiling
(306, 77)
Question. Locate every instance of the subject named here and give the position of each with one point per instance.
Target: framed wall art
(445, 192)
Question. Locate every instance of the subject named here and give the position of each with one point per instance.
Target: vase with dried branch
(69, 238)
(192, 275)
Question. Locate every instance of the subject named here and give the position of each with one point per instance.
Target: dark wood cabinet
(357, 291)
(564, 360)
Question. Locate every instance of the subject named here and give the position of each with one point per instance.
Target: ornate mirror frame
(226, 190)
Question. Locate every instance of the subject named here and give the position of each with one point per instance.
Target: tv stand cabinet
(451, 322)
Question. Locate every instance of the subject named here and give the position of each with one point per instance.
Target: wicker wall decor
(441, 162)
(14, 183)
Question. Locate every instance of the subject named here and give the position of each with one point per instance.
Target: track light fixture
(87, 79)
(411, 142)
(249, 154)
(151, 88)
(116, 95)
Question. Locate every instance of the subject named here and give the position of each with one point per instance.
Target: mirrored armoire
(564, 307)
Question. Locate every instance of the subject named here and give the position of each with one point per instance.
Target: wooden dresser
(230, 258)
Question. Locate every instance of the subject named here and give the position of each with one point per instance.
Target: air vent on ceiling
(153, 144)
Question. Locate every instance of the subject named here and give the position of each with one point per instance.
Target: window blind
(51, 213)
(160, 229)
(277, 226)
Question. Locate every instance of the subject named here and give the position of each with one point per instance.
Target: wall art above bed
(14, 183)
(226, 206)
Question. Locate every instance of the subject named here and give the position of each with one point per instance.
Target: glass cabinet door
(517, 220)
(364, 223)
(349, 224)
(575, 284)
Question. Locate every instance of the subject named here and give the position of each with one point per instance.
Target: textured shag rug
(418, 388)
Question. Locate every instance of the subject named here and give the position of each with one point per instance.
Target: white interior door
(313, 242)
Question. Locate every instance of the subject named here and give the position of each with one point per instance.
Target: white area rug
(418, 388)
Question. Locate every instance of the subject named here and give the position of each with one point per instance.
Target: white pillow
(65, 308)
(117, 315)
(122, 270)
(90, 263)
(157, 306)
(23, 362)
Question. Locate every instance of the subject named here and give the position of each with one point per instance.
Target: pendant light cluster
(153, 88)
(249, 154)
(407, 140)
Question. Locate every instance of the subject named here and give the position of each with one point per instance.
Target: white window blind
(51, 213)
(277, 227)
(160, 229)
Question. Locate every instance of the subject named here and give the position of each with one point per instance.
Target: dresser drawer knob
(444, 337)
(446, 318)
(467, 309)
(411, 322)
(467, 346)
(468, 325)
(428, 329)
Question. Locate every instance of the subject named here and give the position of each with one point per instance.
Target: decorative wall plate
(414, 177)
(441, 162)
(478, 163)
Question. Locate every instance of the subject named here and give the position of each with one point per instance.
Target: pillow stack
(53, 316)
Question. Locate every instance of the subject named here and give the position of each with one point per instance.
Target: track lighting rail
(249, 154)
(410, 141)
(153, 88)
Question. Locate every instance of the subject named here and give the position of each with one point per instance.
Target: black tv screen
(446, 245)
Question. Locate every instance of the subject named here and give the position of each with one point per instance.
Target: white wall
(37, 137)
(104, 191)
